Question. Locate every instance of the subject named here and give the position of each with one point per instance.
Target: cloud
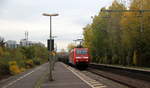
(2, 2)
(17, 16)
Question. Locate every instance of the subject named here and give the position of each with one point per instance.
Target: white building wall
(11, 44)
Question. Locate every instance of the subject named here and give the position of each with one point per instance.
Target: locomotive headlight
(85, 57)
(78, 57)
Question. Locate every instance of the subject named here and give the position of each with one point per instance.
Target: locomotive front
(81, 57)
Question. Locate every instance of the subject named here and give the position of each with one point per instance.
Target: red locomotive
(79, 57)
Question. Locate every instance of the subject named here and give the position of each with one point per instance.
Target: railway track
(133, 78)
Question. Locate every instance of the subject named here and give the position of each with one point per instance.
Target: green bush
(4, 69)
(36, 61)
(14, 61)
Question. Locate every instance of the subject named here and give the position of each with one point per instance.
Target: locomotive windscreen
(81, 52)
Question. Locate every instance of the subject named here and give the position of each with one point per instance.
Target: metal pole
(50, 44)
(50, 56)
(50, 28)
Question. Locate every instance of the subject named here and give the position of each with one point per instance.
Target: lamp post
(50, 50)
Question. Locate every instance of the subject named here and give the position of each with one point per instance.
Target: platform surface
(64, 78)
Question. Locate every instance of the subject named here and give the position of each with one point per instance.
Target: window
(81, 51)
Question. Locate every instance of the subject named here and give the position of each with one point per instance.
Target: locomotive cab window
(81, 51)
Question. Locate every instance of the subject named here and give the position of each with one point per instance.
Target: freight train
(79, 57)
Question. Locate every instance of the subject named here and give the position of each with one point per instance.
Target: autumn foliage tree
(71, 46)
(120, 37)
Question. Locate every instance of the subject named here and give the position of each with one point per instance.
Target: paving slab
(64, 78)
(26, 79)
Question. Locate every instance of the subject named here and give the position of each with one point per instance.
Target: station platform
(64, 78)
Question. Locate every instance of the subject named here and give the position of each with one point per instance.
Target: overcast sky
(18, 16)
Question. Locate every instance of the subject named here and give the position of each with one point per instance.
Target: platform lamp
(50, 44)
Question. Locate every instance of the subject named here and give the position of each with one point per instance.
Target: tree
(120, 37)
(2, 43)
(71, 46)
